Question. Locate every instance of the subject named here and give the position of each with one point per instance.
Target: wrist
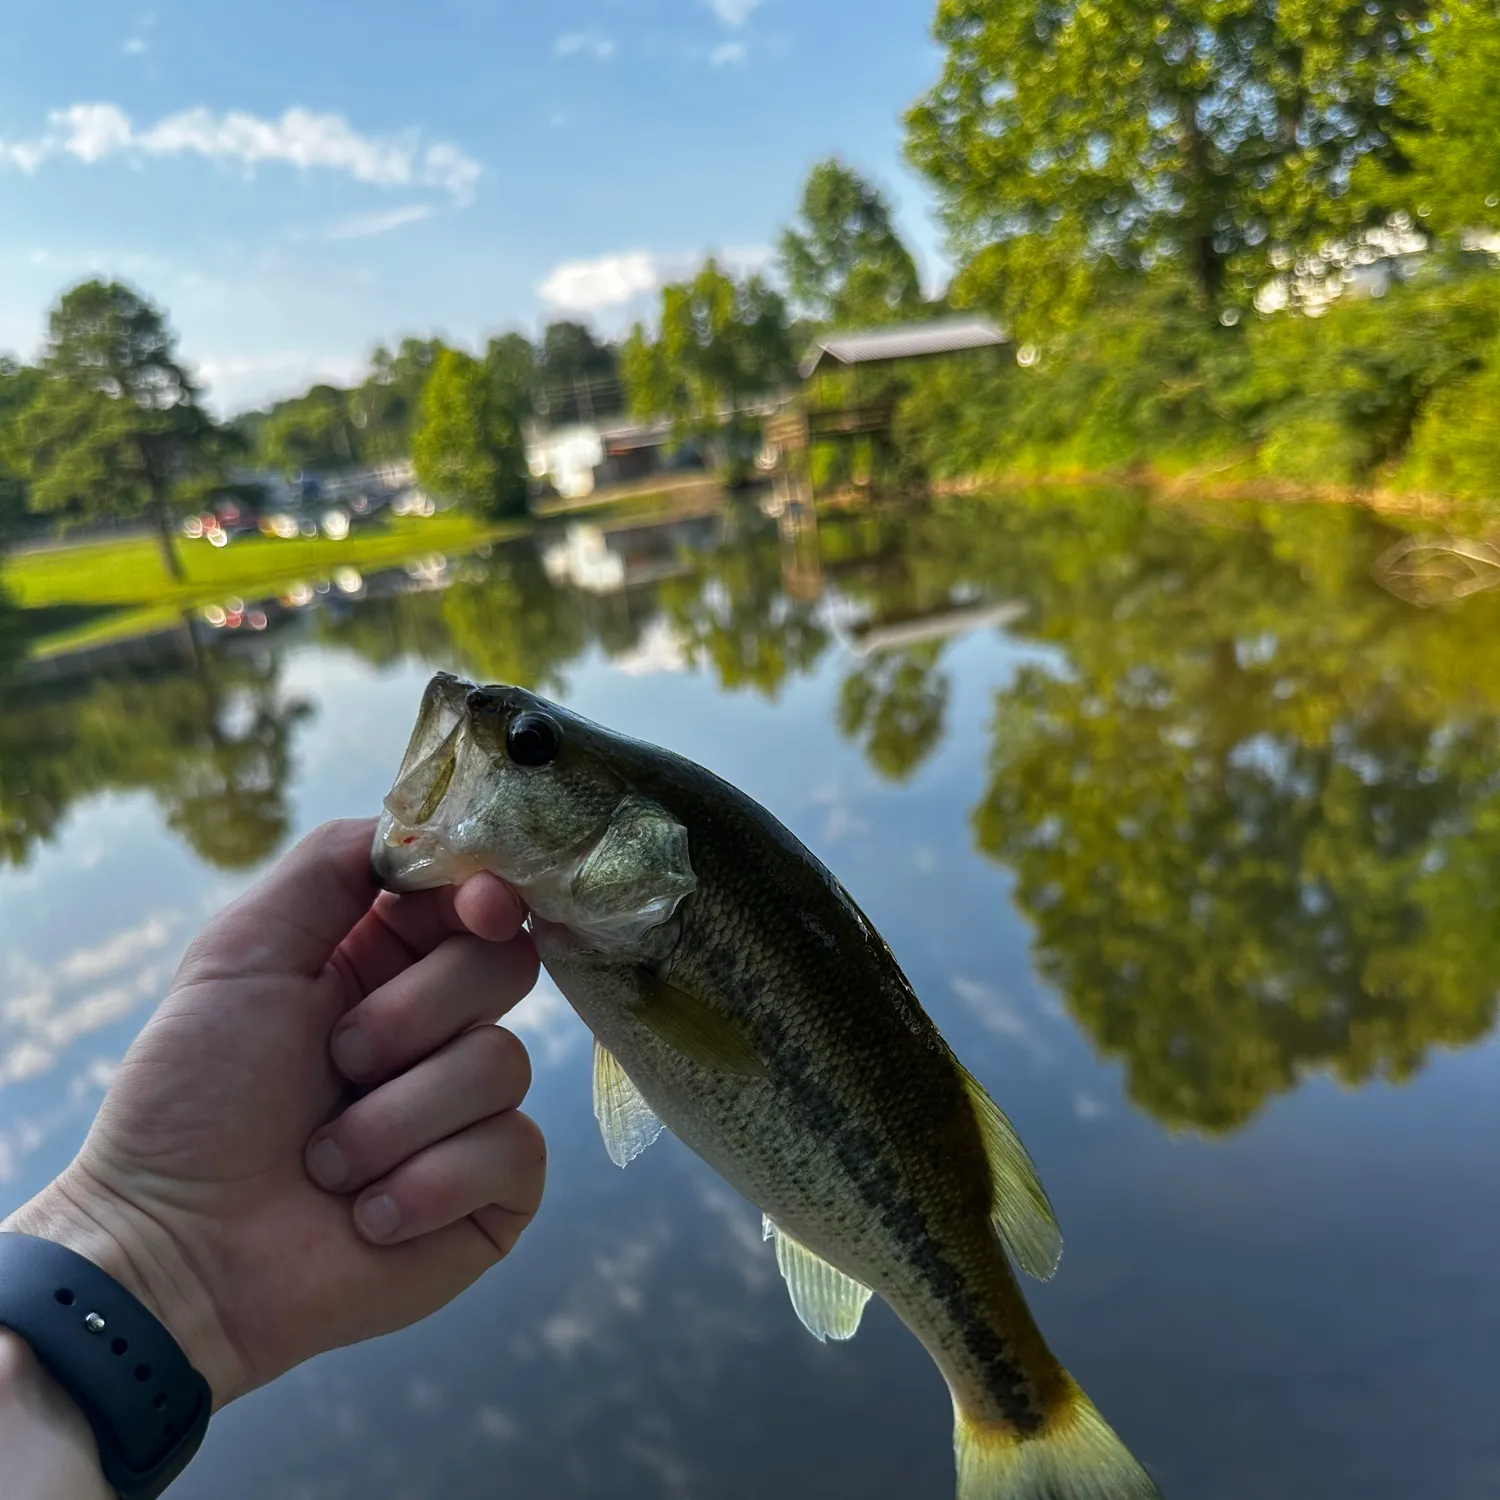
(48, 1446)
(129, 1245)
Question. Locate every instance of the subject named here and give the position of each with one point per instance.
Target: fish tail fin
(1073, 1456)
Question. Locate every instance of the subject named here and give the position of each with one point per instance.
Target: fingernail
(326, 1164)
(352, 1054)
(378, 1216)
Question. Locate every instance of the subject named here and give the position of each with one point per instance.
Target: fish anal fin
(1074, 1455)
(829, 1303)
(689, 1025)
(1022, 1214)
(625, 1119)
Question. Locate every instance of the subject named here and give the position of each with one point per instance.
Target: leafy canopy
(468, 442)
(1069, 142)
(842, 258)
(115, 421)
(718, 341)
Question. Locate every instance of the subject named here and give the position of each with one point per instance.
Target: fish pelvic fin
(1022, 1213)
(625, 1119)
(1074, 1456)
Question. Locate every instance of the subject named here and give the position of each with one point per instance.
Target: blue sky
(296, 182)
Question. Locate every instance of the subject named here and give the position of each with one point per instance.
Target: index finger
(399, 930)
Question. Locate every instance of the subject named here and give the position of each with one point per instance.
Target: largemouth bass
(739, 997)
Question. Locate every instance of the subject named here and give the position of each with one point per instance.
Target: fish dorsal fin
(625, 1119)
(1022, 1214)
(829, 1303)
(690, 1025)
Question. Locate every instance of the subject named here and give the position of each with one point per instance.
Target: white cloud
(999, 1015)
(734, 12)
(363, 226)
(727, 53)
(587, 44)
(43, 1011)
(585, 286)
(299, 138)
(136, 46)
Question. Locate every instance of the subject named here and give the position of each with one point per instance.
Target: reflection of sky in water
(1302, 1310)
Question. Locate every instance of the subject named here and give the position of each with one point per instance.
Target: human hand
(267, 1204)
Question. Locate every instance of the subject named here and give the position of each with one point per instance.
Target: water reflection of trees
(1256, 821)
(1253, 810)
(1254, 814)
(209, 737)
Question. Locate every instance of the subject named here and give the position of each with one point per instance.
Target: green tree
(1452, 140)
(384, 408)
(510, 366)
(18, 387)
(577, 376)
(842, 258)
(468, 442)
(311, 432)
(115, 425)
(718, 341)
(1070, 143)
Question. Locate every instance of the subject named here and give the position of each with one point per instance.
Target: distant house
(580, 459)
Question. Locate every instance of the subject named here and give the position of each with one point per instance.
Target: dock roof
(901, 341)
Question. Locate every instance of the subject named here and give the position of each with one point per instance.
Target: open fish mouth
(413, 848)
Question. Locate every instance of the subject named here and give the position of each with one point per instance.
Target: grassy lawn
(128, 581)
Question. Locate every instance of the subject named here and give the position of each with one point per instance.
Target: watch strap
(148, 1406)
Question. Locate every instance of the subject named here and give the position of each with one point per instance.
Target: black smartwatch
(148, 1406)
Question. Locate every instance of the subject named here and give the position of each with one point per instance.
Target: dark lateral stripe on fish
(859, 1154)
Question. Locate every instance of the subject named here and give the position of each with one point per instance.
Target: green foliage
(115, 424)
(330, 427)
(384, 409)
(717, 342)
(18, 387)
(1145, 384)
(1335, 399)
(1452, 143)
(468, 442)
(1071, 143)
(1455, 449)
(577, 376)
(313, 432)
(842, 259)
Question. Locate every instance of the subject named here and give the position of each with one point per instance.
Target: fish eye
(533, 740)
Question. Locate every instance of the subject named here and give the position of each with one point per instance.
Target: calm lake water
(1185, 828)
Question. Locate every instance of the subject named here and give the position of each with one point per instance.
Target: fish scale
(749, 1005)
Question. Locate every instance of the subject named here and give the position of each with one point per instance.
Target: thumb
(296, 915)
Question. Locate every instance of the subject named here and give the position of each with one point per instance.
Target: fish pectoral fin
(689, 1025)
(635, 876)
(829, 1303)
(625, 1119)
(1022, 1213)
